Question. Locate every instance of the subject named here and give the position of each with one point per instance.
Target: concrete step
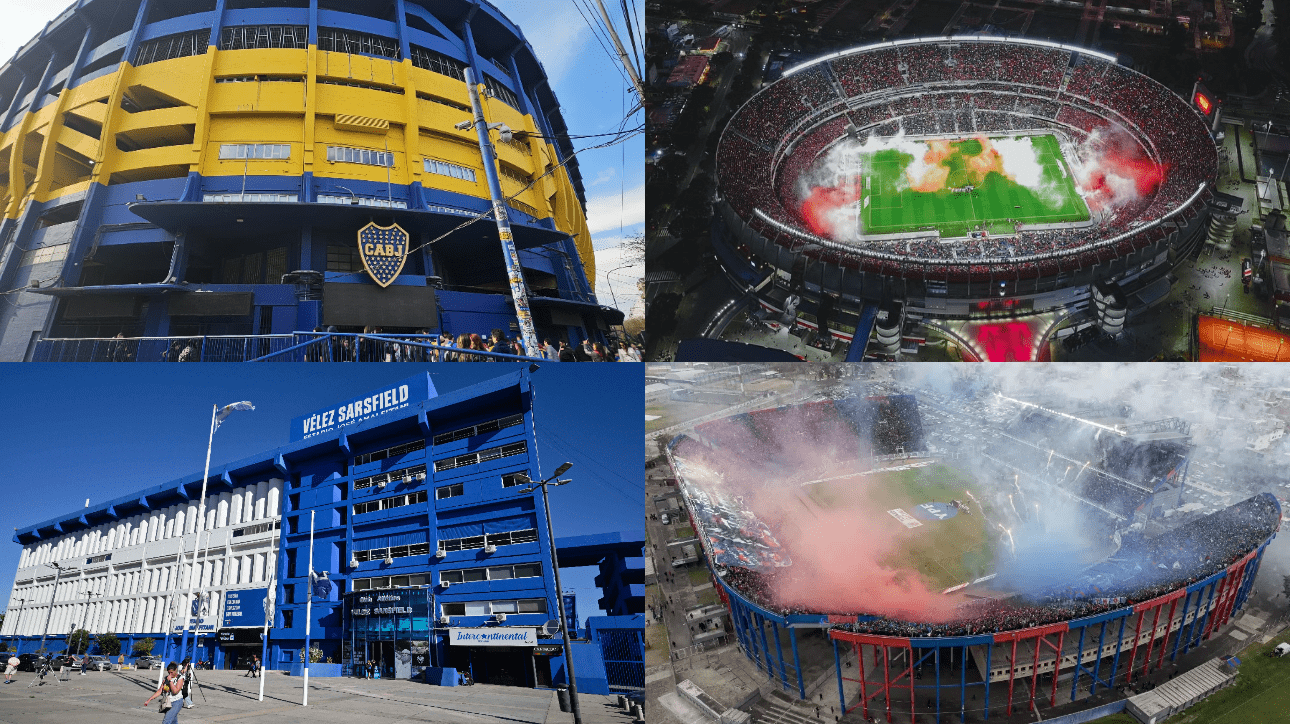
(774, 712)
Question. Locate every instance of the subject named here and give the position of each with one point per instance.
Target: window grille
(492, 573)
(473, 430)
(44, 255)
(367, 157)
(449, 491)
(390, 452)
(397, 501)
(438, 63)
(492, 453)
(377, 554)
(443, 168)
(353, 42)
(180, 45)
(255, 151)
(243, 37)
(394, 476)
(514, 537)
(250, 198)
(362, 201)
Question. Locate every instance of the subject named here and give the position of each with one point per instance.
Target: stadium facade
(958, 87)
(430, 552)
(180, 168)
(988, 671)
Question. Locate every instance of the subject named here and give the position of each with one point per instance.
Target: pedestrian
(171, 689)
(11, 666)
(549, 351)
(85, 662)
(250, 668)
(566, 353)
(256, 665)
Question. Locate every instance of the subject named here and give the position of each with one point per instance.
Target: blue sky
(593, 94)
(72, 432)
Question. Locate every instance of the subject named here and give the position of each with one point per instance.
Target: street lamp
(90, 632)
(53, 596)
(17, 630)
(555, 566)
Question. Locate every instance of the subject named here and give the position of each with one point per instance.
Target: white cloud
(607, 212)
(556, 33)
(606, 174)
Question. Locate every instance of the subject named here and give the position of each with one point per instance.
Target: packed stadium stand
(964, 86)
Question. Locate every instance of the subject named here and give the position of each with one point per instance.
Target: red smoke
(1116, 169)
(822, 201)
(839, 550)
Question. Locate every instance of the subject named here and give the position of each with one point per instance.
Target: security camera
(464, 125)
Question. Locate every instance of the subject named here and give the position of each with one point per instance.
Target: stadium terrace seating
(963, 87)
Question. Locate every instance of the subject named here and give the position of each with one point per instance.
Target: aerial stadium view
(980, 195)
(883, 543)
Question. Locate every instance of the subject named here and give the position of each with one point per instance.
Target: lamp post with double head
(53, 596)
(555, 568)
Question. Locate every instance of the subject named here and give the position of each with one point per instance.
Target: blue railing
(298, 347)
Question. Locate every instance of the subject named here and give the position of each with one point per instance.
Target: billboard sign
(197, 616)
(245, 608)
(390, 398)
(493, 636)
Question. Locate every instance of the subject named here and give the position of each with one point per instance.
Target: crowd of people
(977, 87)
(1140, 571)
(461, 348)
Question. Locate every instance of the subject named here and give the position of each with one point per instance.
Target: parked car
(149, 662)
(30, 662)
(666, 520)
(99, 663)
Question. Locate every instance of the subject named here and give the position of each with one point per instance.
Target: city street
(230, 696)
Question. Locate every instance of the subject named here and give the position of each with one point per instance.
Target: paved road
(229, 696)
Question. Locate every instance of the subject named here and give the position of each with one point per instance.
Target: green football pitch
(890, 206)
(944, 553)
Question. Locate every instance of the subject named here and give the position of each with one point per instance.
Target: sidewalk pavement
(118, 696)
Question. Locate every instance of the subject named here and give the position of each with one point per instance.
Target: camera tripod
(39, 678)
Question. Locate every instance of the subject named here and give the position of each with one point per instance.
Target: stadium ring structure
(202, 168)
(1022, 666)
(963, 85)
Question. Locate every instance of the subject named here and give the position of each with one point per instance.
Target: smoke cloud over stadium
(1113, 170)
(831, 193)
(796, 501)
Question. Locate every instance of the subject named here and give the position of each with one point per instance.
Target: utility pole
(53, 596)
(622, 52)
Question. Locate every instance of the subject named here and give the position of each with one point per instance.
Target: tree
(143, 647)
(78, 642)
(108, 643)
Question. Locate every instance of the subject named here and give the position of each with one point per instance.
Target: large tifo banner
(197, 616)
(493, 636)
(245, 607)
(390, 398)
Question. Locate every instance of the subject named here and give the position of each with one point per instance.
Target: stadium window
(367, 157)
(353, 42)
(510, 480)
(452, 609)
(443, 168)
(343, 259)
(449, 491)
(492, 453)
(362, 201)
(501, 92)
(473, 430)
(438, 63)
(389, 452)
(264, 36)
(169, 47)
(255, 151)
(44, 255)
(404, 475)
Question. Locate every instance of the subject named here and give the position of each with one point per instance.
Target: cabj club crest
(384, 250)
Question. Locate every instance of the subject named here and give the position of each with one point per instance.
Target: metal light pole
(309, 604)
(559, 591)
(52, 597)
(519, 290)
(17, 631)
(89, 640)
(269, 613)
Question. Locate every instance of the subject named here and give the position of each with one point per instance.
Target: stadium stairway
(777, 709)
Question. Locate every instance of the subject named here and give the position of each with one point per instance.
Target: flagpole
(269, 614)
(309, 603)
(168, 622)
(192, 569)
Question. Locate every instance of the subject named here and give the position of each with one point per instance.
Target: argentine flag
(227, 410)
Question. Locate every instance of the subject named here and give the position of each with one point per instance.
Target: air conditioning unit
(389, 561)
(490, 549)
(441, 553)
(501, 617)
(445, 584)
(421, 476)
(353, 563)
(381, 485)
(444, 619)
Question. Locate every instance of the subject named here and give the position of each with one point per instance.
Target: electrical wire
(601, 35)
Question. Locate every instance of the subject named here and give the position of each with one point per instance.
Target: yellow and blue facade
(202, 167)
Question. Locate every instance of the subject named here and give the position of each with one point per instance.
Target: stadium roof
(1223, 340)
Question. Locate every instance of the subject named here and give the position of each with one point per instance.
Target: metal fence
(299, 347)
(623, 651)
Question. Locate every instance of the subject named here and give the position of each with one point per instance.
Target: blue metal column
(1079, 661)
(837, 666)
(962, 686)
(74, 70)
(937, 661)
(797, 664)
(779, 652)
(765, 649)
(988, 648)
(1249, 579)
(1097, 665)
(1182, 622)
(1202, 615)
(132, 42)
(217, 29)
(402, 22)
(17, 99)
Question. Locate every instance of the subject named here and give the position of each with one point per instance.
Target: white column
(218, 575)
(235, 506)
(273, 507)
(257, 571)
(191, 517)
(222, 510)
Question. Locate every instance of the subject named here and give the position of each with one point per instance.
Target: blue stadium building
(428, 556)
